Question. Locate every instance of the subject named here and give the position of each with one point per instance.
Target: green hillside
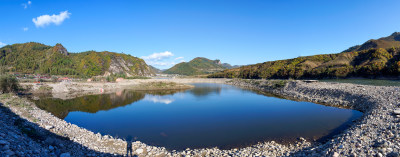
(36, 58)
(367, 60)
(197, 66)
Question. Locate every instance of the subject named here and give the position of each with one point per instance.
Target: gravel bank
(376, 133)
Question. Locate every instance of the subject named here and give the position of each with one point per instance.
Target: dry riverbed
(376, 133)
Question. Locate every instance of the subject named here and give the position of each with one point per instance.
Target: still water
(209, 115)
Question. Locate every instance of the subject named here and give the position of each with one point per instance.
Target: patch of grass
(279, 84)
(138, 77)
(45, 89)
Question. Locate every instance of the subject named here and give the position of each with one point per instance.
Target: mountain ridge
(37, 58)
(374, 58)
(198, 66)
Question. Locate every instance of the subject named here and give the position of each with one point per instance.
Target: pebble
(397, 111)
(376, 126)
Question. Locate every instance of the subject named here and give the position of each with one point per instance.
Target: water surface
(210, 115)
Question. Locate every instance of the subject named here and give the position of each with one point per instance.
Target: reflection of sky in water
(206, 116)
(159, 99)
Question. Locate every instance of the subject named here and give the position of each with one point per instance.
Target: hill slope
(367, 60)
(385, 42)
(42, 59)
(196, 66)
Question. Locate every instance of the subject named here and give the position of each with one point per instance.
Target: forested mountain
(36, 58)
(155, 70)
(374, 58)
(197, 66)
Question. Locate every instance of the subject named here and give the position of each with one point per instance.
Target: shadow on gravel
(45, 138)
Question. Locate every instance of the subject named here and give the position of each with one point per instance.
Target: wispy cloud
(27, 4)
(46, 20)
(178, 58)
(25, 29)
(2, 44)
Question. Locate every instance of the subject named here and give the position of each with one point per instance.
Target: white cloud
(26, 5)
(2, 44)
(45, 20)
(158, 56)
(178, 58)
(25, 29)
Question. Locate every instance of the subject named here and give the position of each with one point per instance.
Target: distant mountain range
(36, 58)
(374, 58)
(198, 66)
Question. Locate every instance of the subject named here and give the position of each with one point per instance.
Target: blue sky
(236, 32)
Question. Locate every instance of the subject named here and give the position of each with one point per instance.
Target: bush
(9, 84)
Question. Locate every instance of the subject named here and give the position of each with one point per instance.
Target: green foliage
(9, 84)
(36, 58)
(197, 66)
(366, 63)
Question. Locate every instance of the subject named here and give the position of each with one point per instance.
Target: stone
(335, 154)
(139, 151)
(397, 111)
(51, 148)
(65, 155)
(48, 127)
(9, 152)
(3, 142)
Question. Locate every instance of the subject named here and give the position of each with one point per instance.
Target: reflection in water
(203, 90)
(158, 99)
(95, 103)
(210, 115)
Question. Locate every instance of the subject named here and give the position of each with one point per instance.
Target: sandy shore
(376, 133)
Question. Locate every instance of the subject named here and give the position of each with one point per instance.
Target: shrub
(9, 84)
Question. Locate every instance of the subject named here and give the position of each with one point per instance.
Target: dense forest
(374, 58)
(198, 66)
(36, 58)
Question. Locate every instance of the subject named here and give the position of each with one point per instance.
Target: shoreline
(378, 125)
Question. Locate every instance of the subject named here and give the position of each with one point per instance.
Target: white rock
(335, 154)
(48, 127)
(139, 151)
(397, 111)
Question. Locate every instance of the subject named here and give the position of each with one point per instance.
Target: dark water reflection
(207, 116)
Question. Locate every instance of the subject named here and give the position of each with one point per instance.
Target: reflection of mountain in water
(94, 103)
(202, 91)
(89, 103)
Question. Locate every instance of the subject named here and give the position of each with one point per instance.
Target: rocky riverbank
(376, 133)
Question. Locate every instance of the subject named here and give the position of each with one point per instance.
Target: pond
(209, 115)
